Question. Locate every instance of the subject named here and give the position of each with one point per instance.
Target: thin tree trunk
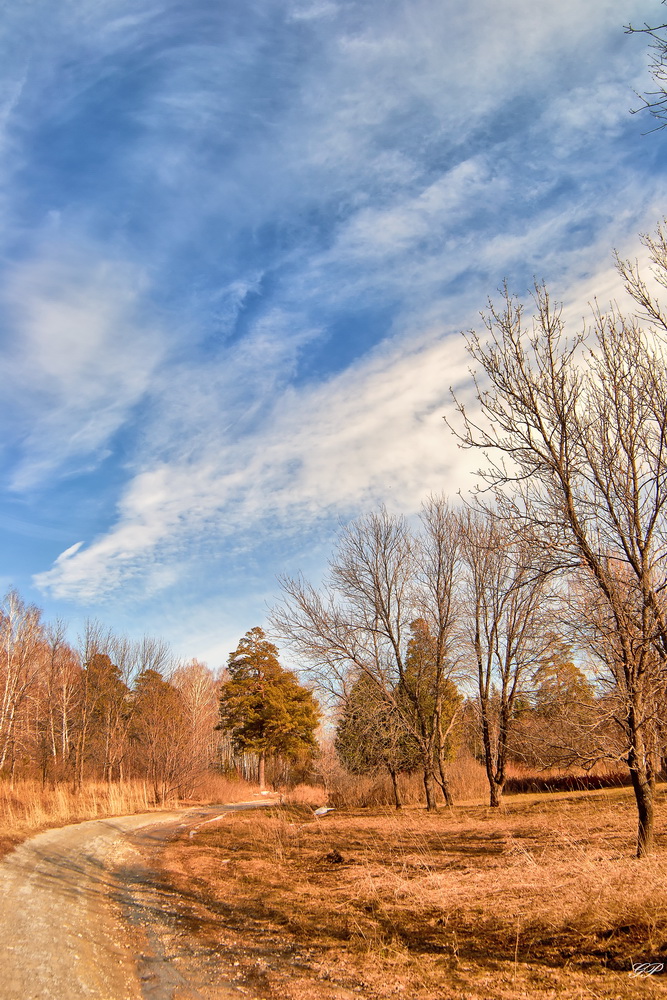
(429, 788)
(394, 783)
(262, 769)
(495, 786)
(444, 784)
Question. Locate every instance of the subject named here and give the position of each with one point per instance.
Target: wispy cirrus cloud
(83, 356)
(374, 434)
(241, 239)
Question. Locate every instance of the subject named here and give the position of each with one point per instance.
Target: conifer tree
(432, 703)
(371, 735)
(263, 706)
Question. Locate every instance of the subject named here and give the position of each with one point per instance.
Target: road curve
(63, 897)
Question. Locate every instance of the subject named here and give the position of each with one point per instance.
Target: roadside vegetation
(29, 806)
(541, 898)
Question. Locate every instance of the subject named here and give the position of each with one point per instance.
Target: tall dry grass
(467, 779)
(28, 806)
(541, 899)
(217, 789)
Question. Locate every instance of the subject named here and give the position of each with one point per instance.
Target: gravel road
(79, 917)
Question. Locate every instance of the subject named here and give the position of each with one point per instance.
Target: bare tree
(575, 433)
(159, 732)
(505, 626)
(61, 691)
(381, 579)
(199, 695)
(655, 102)
(151, 653)
(21, 634)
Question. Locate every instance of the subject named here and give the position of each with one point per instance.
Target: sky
(239, 241)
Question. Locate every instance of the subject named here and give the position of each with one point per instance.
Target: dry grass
(467, 778)
(307, 795)
(541, 900)
(30, 807)
(216, 788)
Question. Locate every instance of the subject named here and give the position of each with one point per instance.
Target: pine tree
(263, 706)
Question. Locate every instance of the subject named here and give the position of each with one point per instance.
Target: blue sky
(239, 241)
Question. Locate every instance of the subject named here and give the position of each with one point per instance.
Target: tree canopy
(263, 706)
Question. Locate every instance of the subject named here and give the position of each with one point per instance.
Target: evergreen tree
(371, 736)
(263, 706)
(103, 717)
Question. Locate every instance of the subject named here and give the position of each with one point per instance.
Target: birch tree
(21, 635)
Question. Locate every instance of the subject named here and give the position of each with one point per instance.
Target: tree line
(112, 710)
(101, 711)
(559, 559)
(560, 552)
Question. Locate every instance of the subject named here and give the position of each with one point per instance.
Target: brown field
(29, 807)
(542, 899)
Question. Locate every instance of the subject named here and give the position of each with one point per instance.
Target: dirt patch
(543, 900)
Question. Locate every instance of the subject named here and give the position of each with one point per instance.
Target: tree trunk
(495, 786)
(429, 788)
(643, 784)
(444, 785)
(496, 792)
(262, 767)
(394, 783)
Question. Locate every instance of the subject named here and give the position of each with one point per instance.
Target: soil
(82, 915)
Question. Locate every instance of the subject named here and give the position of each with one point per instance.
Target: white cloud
(392, 231)
(83, 356)
(313, 9)
(391, 145)
(68, 553)
(375, 433)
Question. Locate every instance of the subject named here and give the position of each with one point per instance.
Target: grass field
(29, 806)
(542, 899)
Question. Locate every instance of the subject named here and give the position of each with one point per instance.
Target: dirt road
(81, 917)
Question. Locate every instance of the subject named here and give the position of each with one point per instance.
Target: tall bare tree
(61, 688)
(381, 579)
(21, 651)
(655, 102)
(506, 628)
(199, 696)
(574, 429)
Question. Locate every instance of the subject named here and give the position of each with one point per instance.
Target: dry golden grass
(467, 779)
(216, 788)
(306, 795)
(29, 806)
(543, 899)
